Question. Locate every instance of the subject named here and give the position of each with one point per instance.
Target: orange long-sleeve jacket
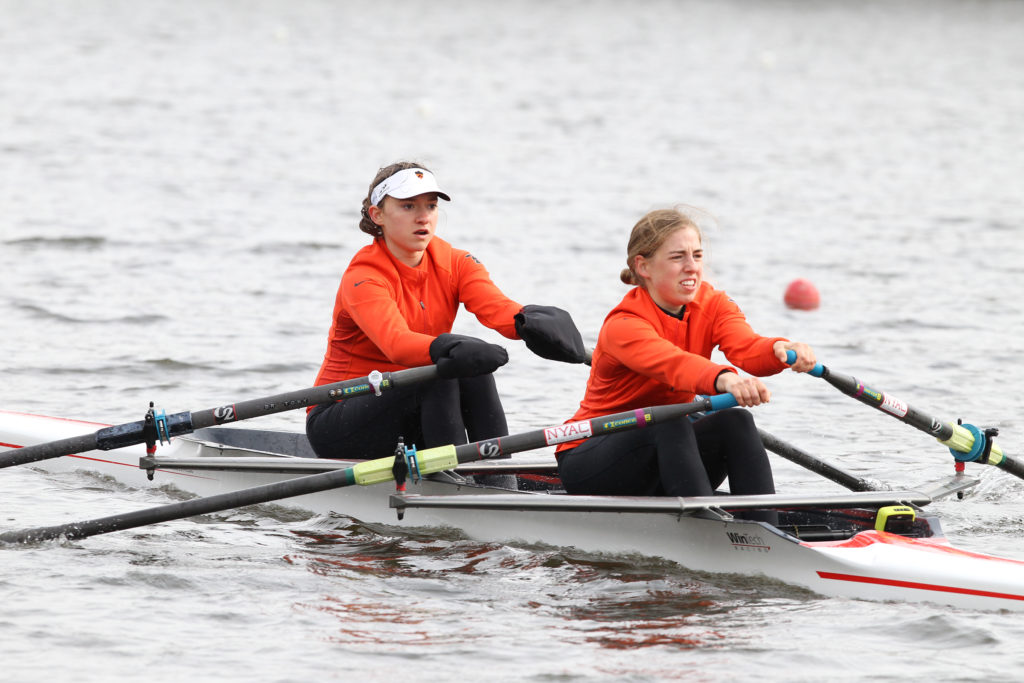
(646, 357)
(386, 313)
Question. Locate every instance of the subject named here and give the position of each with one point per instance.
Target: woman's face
(408, 225)
(674, 272)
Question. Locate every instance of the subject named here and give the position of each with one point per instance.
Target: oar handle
(719, 402)
(818, 370)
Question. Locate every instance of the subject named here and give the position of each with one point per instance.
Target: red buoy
(802, 294)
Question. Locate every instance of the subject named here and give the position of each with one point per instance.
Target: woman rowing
(655, 348)
(395, 308)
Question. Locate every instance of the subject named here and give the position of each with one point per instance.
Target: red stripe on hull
(124, 464)
(115, 462)
(937, 545)
(58, 419)
(918, 586)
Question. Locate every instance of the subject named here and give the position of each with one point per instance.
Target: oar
(376, 471)
(158, 426)
(966, 442)
(810, 462)
(814, 464)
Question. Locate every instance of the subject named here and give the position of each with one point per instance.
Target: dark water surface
(179, 187)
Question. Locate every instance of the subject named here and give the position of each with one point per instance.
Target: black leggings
(674, 458)
(427, 415)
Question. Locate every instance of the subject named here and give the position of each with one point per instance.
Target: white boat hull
(872, 565)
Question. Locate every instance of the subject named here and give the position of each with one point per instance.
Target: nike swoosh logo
(359, 283)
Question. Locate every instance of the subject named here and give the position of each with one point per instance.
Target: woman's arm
(635, 343)
(482, 297)
(742, 346)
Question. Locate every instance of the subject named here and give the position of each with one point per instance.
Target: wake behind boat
(876, 545)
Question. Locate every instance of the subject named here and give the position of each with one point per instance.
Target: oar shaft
(442, 458)
(585, 429)
(950, 434)
(303, 398)
(189, 508)
(816, 465)
(50, 449)
(133, 433)
(851, 386)
(954, 436)
(810, 462)
(369, 472)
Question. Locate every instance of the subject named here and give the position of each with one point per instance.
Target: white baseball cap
(409, 182)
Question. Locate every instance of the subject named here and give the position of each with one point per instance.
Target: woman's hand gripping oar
(376, 471)
(966, 442)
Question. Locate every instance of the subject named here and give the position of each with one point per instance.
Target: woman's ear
(374, 213)
(640, 266)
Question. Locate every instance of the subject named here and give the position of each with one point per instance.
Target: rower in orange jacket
(655, 348)
(395, 308)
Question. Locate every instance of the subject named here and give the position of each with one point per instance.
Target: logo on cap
(419, 174)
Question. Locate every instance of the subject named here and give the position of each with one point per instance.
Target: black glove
(457, 355)
(550, 333)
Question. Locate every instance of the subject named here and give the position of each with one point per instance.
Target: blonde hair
(650, 232)
(365, 223)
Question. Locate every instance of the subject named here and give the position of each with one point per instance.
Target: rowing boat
(875, 545)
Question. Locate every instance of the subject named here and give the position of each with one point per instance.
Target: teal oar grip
(722, 401)
(716, 402)
(817, 370)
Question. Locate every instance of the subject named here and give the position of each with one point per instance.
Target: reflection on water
(610, 602)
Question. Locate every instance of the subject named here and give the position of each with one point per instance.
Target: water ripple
(43, 313)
